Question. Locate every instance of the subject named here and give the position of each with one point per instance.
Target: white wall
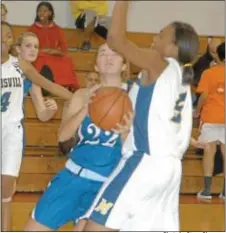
(145, 16)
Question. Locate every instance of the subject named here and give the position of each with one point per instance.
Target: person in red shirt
(211, 110)
(52, 61)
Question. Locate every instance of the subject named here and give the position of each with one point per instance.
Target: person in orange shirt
(91, 16)
(210, 108)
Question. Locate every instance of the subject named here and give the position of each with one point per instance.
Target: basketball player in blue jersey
(27, 47)
(12, 95)
(144, 194)
(72, 191)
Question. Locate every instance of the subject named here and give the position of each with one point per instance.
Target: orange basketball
(108, 107)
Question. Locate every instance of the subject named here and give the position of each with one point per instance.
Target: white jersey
(12, 92)
(169, 122)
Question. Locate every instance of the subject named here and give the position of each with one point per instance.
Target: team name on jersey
(11, 82)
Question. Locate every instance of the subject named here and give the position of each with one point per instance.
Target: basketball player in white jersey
(12, 94)
(144, 194)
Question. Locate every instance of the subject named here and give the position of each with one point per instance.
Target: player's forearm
(70, 126)
(41, 81)
(116, 34)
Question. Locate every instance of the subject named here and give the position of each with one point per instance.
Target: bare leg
(80, 225)
(208, 164)
(8, 190)
(208, 159)
(223, 156)
(32, 225)
(92, 226)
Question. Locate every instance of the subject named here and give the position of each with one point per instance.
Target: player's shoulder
(11, 61)
(172, 73)
(14, 61)
(174, 66)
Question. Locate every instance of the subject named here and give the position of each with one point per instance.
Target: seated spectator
(91, 16)
(52, 61)
(92, 78)
(211, 109)
(3, 12)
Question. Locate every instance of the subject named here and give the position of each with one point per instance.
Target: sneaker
(203, 195)
(222, 196)
(86, 46)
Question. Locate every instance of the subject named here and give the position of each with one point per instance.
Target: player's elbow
(42, 116)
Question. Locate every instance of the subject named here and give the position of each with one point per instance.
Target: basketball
(108, 107)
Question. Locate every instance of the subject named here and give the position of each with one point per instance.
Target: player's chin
(31, 58)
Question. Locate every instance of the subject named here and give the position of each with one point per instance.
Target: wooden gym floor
(195, 215)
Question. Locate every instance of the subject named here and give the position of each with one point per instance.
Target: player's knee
(7, 194)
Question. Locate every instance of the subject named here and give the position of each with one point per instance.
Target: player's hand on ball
(90, 93)
(124, 128)
(51, 104)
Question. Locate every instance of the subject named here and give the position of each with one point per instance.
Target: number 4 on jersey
(178, 108)
(5, 101)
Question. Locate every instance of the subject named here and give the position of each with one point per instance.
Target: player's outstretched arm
(144, 58)
(45, 108)
(33, 75)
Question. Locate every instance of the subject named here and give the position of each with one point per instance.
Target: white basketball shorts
(142, 196)
(12, 148)
(212, 133)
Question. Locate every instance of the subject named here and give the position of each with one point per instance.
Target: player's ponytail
(187, 42)
(188, 74)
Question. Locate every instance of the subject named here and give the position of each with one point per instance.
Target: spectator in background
(52, 61)
(92, 78)
(3, 12)
(203, 63)
(207, 60)
(91, 16)
(211, 109)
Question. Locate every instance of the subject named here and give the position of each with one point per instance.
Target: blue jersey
(97, 150)
(144, 96)
(27, 86)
